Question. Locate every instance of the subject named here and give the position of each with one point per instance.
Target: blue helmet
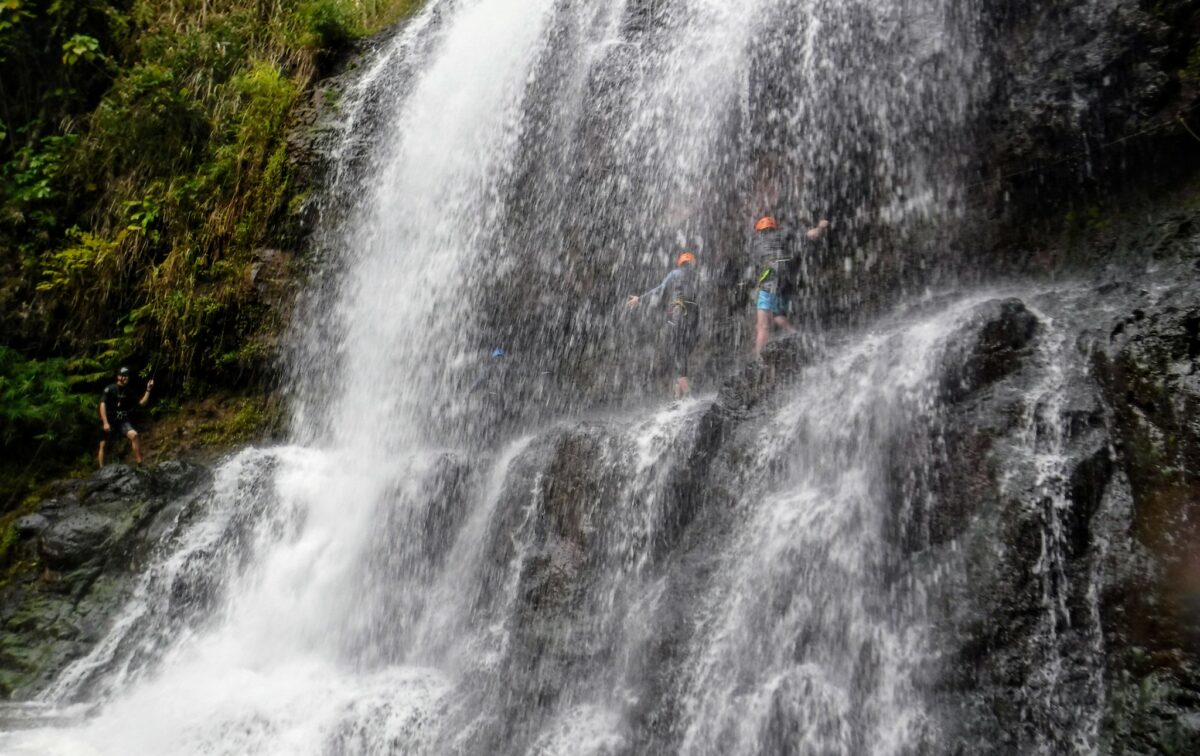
(498, 352)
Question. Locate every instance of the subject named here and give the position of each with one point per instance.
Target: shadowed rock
(79, 553)
(1004, 332)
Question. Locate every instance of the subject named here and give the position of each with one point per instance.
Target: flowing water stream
(578, 567)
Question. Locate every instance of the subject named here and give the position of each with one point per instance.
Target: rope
(1187, 128)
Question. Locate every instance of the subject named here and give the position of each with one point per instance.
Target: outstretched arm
(146, 396)
(634, 298)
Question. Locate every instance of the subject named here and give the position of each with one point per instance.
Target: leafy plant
(78, 266)
(81, 47)
(33, 175)
(12, 12)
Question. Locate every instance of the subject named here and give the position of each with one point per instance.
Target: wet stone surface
(79, 554)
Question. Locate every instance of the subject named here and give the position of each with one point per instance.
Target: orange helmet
(685, 257)
(764, 223)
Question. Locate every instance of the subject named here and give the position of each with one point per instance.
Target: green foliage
(143, 216)
(12, 12)
(147, 126)
(143, 160)
(36, 172)
(38, 402)
(246, 422)
(79, 266)
(327, 24)
(81, 47)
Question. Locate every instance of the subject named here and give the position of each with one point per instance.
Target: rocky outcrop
(1149, 372)
(76, 559)
(1064, 490)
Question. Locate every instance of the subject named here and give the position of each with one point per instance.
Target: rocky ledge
(73, 564)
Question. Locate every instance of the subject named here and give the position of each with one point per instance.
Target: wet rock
(31, 525)
(1053, 146)
(1034, 554)
(175, 478)
(1149, 373)
(112, 483)
(74, 539)
(82, 549)
(758, 379)
(1004, 333)
(1087, 485)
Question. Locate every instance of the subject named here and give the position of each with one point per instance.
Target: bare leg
(762, 330)
(100, 455)
(136, 443)
(785, 324)
(681, 387)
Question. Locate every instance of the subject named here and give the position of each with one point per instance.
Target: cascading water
(559, 564)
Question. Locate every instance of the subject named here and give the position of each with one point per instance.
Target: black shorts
(120, 430)
(685, 332)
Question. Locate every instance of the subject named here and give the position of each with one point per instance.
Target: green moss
(242, 425)
(8, 539)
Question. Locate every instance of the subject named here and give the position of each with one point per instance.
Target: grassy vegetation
(143, 159)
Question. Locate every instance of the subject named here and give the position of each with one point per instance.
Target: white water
(381, 605)
(802, 646)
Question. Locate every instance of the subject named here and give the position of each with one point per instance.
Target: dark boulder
(76, 537)
(1004, 332)
(77, 559)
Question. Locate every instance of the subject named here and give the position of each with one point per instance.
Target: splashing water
(562, 570)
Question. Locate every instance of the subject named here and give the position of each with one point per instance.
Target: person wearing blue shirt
(680, 291)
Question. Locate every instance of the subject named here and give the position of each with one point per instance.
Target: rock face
(1090, 104)
(1055, 497)
(1072, 581)
(1149, 374)
(78, 554)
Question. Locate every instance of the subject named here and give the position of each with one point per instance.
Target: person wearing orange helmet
(773, 251)
(680, 290)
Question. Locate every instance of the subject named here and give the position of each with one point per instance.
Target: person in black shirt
(117, 406)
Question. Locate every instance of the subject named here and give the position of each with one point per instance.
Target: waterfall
(567, 563)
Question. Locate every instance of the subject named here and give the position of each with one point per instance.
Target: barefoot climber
(117, 405)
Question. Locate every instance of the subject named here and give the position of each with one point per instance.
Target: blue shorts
(772, 303)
